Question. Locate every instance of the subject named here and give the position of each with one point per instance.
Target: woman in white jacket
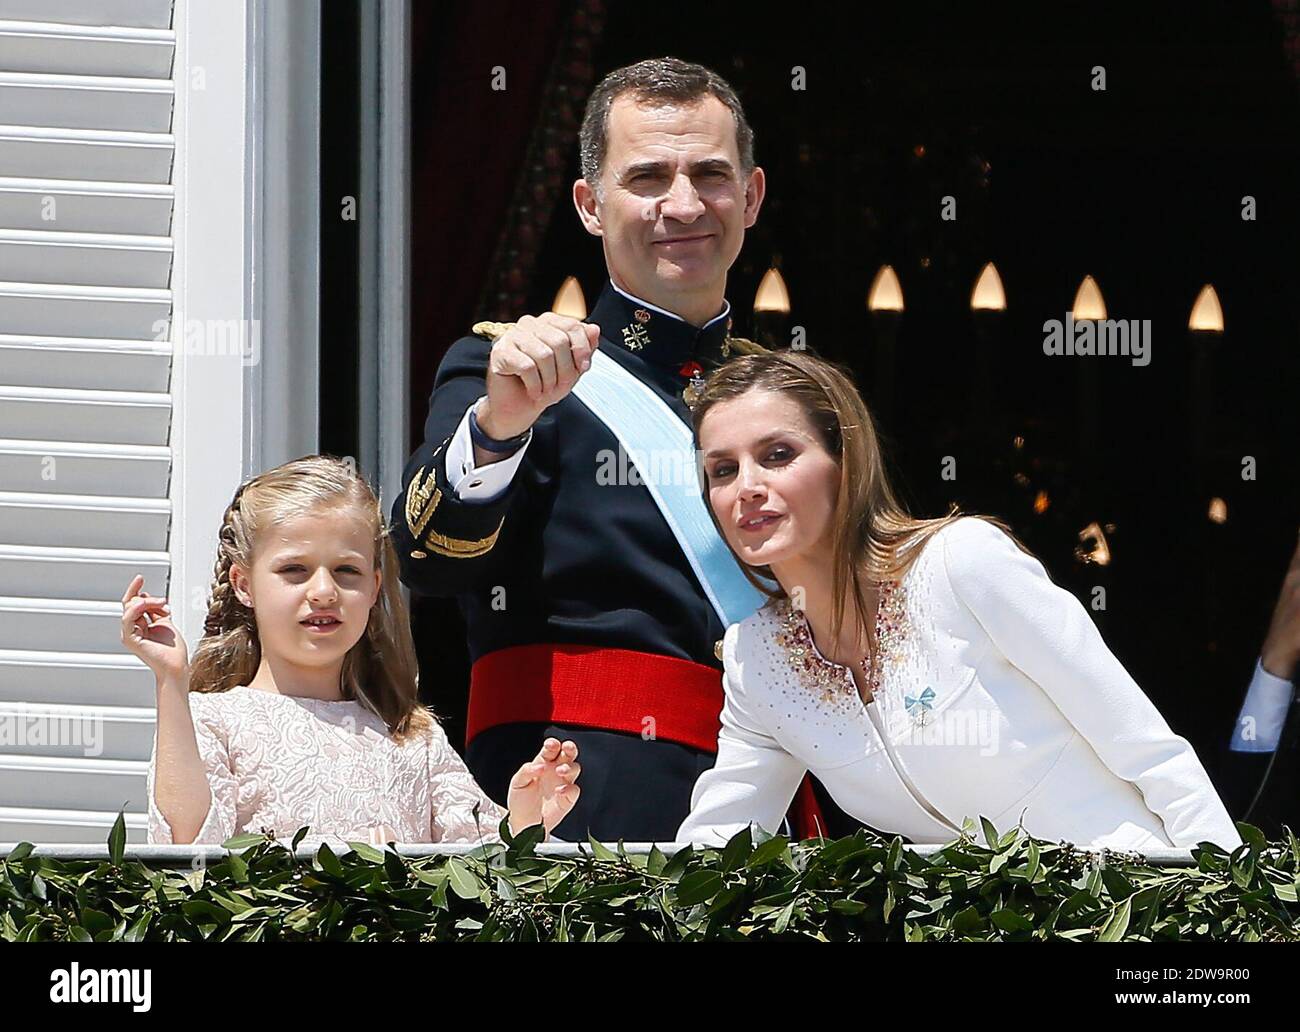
(926, 671)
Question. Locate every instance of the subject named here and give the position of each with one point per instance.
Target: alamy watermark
(671, 466)
(26, 730)
(75, 984)
(1131, 337)
(952, 726)
(214, 338)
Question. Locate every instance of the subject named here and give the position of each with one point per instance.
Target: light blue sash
(662, 448)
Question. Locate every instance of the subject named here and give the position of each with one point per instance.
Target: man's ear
(755, 191)
(584, 200)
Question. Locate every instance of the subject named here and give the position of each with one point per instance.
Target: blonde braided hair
(380, 670)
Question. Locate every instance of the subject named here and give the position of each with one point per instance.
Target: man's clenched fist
(533, 365)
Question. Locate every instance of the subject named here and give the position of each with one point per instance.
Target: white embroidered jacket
(998, 698)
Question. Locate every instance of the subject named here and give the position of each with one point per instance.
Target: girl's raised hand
(543, 791)
(148, 632)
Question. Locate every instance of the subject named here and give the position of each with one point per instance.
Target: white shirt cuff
(478, 483)
(1263, 714)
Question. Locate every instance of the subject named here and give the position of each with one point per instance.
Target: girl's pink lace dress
(279, 762)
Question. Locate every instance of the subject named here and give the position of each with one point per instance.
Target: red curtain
(467, 149)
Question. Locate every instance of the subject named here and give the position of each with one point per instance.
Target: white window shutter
(86, 258)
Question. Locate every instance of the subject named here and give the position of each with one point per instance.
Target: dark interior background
(1140, 186)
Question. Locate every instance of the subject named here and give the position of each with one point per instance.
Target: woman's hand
(543, 790)
(148, 632)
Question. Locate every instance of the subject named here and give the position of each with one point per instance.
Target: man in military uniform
(1262, 768)
(585, 617)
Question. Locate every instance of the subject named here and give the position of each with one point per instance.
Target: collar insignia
(635, 336)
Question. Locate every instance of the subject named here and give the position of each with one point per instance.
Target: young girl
(926, 671)
(299, 706)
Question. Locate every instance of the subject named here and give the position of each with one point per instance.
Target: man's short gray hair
(657, 80)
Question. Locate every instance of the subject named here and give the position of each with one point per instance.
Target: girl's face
(311, 587)
(772, 485)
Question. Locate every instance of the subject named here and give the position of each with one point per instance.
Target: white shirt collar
(726, 307)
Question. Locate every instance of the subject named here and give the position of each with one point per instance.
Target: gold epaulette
(490, 330)
(744, 346)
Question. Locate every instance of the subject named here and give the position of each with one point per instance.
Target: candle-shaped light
(988, 303)
(885, 302)
(987, 295)
(772, 294)
(1088, 302)
(569, 299)
(886, 293)
(772, 310)
(1088, 306)
(1207, 313)
(1205, 328)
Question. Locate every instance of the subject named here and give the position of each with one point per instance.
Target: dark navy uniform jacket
(570, 558)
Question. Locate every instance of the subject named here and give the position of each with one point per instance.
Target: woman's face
(771, 483)
(312, 584)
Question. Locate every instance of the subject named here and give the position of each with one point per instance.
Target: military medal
(695, 388)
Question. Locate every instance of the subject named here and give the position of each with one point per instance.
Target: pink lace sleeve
(454, 793)
(219, 824)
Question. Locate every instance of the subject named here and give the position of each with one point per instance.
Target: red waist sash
(612, 689)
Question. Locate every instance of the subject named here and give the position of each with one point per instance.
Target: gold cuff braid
(422, 498)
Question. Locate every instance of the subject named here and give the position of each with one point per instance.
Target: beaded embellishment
(833, 683)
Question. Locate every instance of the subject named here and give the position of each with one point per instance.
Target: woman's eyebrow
(776, 435)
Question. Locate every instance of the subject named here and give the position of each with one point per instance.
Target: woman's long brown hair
(380, 670)
(874, 536)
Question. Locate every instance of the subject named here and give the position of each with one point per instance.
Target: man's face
(674, 204)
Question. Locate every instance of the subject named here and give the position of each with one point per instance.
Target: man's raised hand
(533, 365)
